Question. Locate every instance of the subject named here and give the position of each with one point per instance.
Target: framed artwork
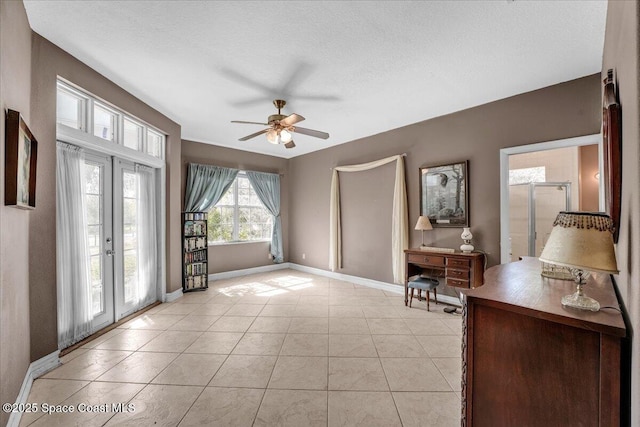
(612, 148)
(21, 154)
(444, 194)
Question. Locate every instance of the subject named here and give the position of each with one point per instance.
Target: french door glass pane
(130, 234)
(96, 284)
(103, 123)
(93, 174)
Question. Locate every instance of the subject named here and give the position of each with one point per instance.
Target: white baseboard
(172, 296)
(247, 271)
(389, 287)
(36, 369)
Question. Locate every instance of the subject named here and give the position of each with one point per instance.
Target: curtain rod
(403, 155)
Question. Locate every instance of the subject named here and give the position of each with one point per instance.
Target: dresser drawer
(458, 283)
(456, 262)
(426, 259)
(457, 274)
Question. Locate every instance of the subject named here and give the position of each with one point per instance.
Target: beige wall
(15, 90)
(238, 256)
(621, 51)
(477, 134)
(561, 111)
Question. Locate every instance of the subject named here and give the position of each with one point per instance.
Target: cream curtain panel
(399, 221)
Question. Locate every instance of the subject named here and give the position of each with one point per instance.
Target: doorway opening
(540, 180)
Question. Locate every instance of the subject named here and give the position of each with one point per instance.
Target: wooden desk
(458, 269)
(527, 361)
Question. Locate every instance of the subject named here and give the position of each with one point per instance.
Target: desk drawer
(426, 259)
(456, 262)
(457, 274)
(457, 283)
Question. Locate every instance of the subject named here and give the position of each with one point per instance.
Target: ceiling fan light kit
(281, 127)
(279, 136)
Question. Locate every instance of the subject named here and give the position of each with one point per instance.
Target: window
(104, 122)
(70, 107)
(132, 137)
(527, 175)
(239, 216)
(154, 144)
(80, 110)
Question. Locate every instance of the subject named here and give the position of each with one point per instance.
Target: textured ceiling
(353, 69)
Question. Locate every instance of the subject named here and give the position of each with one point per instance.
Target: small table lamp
(581, 241)
(423, 224)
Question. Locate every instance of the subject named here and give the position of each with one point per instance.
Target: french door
(112, 203)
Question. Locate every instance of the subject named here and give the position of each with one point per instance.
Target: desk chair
(424, 284)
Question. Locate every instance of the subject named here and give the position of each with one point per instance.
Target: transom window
(80, 110)
(239, 216)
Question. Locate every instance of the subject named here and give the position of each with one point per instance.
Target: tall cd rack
(194, 251)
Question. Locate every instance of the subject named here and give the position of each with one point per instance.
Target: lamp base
(580, 301)
(466, 248)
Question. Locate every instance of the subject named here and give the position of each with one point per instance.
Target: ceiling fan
(282, 127)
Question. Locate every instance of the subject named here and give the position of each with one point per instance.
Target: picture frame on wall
(21, 155)
(444, 194)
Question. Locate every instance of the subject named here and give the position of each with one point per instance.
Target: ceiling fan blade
(317, 98)
(290, 144)
(311, 132)
(253, 135)
(248, 81)
(258, 100)
(249, 123)
(291, 119)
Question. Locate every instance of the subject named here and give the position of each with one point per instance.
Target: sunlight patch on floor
(293, 282)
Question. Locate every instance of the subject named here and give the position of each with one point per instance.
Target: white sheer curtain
(147, 237)
(73, 282)
(399, 219)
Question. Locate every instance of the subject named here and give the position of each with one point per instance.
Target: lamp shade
(582, 240)
(423, 223)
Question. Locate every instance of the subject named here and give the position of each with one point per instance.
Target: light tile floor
(279, 349)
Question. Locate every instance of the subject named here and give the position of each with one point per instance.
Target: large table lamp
(423, 225)
(581, 241)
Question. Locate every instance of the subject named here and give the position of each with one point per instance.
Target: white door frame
(578, 141)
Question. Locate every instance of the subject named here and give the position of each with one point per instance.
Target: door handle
(109, 252)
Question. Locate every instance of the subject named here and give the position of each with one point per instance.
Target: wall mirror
(444, 194)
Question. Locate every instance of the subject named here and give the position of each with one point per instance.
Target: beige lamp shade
(423, 223)
(582, 240)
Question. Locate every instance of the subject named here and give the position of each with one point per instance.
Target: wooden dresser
(527, 361)
(458, 269)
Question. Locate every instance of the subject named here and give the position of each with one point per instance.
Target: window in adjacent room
(527, 175)
(239, 216)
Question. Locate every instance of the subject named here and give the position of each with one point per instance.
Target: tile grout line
(372, 306)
